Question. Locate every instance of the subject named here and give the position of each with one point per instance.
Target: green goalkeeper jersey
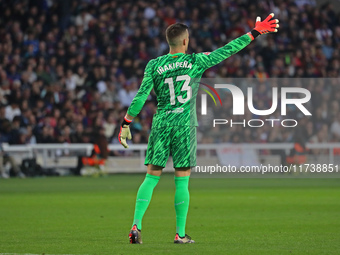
(175, 79)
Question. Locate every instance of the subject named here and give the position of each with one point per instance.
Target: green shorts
(180, 141)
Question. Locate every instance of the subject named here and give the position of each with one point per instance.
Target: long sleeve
(143, 92)
(209, 59)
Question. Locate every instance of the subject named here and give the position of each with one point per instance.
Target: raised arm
(209, 59)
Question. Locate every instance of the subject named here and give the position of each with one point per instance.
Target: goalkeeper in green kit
(174, 79)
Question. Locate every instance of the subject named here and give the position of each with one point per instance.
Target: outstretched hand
(266, 26)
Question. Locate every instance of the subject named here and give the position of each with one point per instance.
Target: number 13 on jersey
(186, 78)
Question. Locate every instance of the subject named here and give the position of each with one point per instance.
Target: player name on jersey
(175, 65)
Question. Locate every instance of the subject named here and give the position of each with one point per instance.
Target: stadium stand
(69, 68)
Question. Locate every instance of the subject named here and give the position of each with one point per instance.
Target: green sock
(144, 195)
(181, 203)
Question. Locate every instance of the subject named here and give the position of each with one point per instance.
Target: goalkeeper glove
(264, 27)
(125, 133)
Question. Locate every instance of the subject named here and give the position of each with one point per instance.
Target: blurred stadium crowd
(70, 68)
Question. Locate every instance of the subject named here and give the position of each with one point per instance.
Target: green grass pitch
(69, 215)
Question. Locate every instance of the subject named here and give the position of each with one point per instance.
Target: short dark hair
(174, 31)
